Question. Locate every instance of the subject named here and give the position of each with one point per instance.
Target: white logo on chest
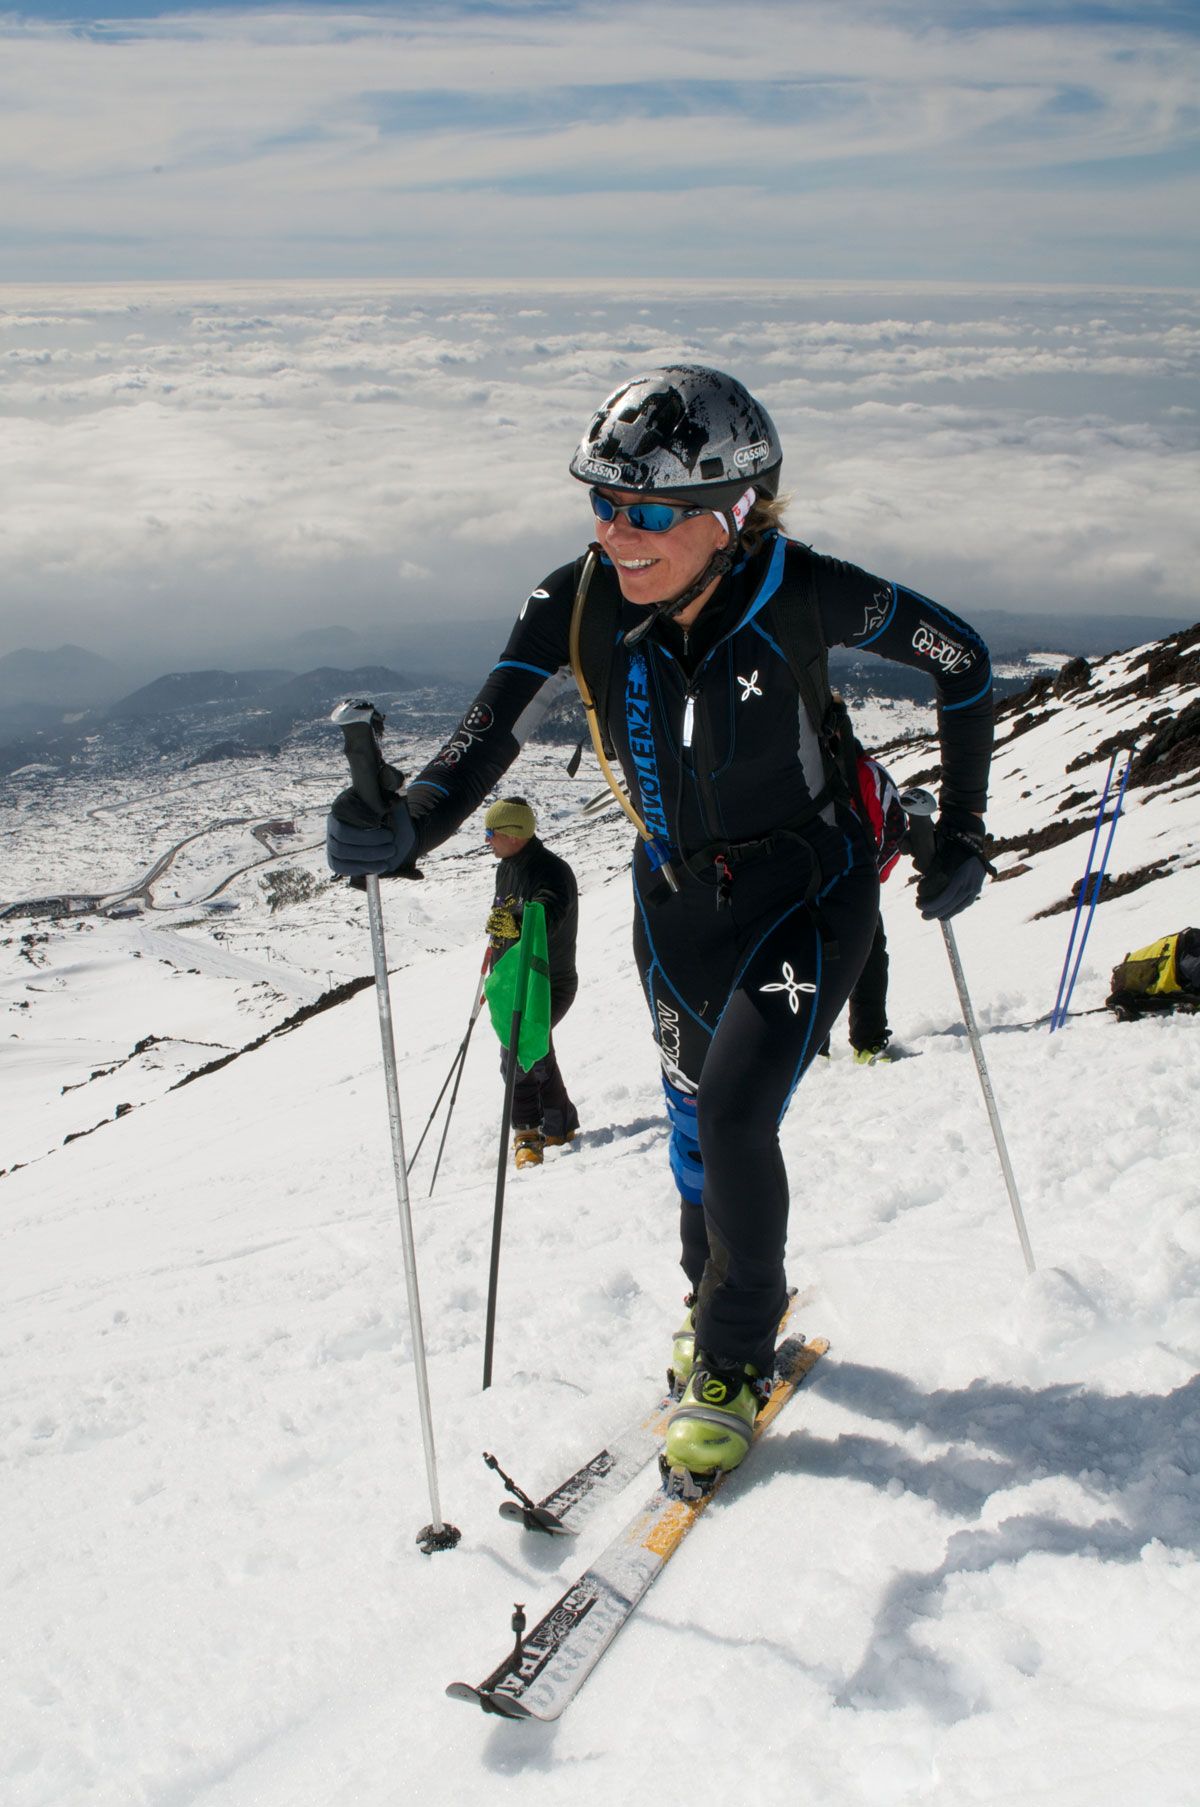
(749, 686)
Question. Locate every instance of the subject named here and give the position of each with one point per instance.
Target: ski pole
(1083, 885)
(1061, 1006)
(920, 807)
(376, 785)
(455, 1066)
(458, 1076)
(510, 1083)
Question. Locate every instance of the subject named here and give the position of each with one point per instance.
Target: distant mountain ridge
(461, 651)
(200, 716)
(177, 690)
(66, 677)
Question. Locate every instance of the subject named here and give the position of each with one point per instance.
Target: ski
(546, 1669)
(609, 1471)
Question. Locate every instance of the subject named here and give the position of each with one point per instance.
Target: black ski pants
(868, 1000)
(540, 1097)
(742, 994)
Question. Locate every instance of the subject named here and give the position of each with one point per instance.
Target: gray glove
(960, 864)
(356, 844)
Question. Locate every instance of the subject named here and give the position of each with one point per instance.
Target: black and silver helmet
(683, 431)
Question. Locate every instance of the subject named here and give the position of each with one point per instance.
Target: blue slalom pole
(1060, 1017)
(1083, 886)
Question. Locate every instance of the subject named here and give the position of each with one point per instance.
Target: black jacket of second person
(539, 876)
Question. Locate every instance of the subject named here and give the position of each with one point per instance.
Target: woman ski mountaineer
(756, 894)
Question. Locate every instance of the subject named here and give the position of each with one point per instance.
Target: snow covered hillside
(964, 1570)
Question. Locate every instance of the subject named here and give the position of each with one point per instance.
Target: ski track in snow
(965, 1570)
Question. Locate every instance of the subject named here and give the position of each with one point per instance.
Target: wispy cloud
(923, 140)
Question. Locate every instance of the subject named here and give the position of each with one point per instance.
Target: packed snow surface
(964, 1569)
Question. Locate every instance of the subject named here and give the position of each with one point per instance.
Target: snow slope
(964, 1571)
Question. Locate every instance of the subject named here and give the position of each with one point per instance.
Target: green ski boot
(683, 1349)
(712, 1425)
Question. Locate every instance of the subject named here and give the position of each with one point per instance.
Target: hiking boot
(527, 1147)
(683, 1349)
(559, 1141)
(712, 1425)
(879, 1054)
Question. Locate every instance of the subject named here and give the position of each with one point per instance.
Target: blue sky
(891, 141)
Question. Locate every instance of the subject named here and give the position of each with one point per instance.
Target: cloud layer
(188, 468)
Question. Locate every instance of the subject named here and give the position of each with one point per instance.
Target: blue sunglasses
(647, 517)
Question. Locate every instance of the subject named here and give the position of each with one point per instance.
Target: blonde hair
(765, 518)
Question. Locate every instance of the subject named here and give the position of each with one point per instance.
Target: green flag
(520, 980)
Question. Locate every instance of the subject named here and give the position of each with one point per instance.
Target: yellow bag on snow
(1160, 977)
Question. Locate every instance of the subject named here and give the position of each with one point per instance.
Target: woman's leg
(794, 980)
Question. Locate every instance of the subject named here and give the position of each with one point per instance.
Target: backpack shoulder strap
(594, 619)
(796, 619)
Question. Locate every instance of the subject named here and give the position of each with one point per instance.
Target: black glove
(954, 878)
(357, 844)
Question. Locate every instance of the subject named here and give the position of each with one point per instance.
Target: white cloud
(227, 463)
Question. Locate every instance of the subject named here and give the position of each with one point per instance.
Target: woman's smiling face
(654, 567)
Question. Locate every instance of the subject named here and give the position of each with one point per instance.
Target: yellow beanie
(512, 815)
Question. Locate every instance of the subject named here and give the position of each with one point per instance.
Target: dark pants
(868, 1000)
(742, 997)
(540, 1098)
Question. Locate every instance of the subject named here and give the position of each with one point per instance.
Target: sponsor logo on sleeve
(876, 612)
(940, 649)
(474, 725)
(533, 596)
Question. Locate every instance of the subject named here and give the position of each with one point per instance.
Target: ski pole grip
(362, 758)
(374, 782)
(920, 806)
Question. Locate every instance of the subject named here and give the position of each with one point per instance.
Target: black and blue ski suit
(747, 965)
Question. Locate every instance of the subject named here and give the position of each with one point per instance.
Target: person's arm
(870, 614)
(530, 675)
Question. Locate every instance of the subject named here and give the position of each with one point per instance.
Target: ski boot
(712, 1425)
(559, 1129)
(683, 1348)
(527, 1147)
